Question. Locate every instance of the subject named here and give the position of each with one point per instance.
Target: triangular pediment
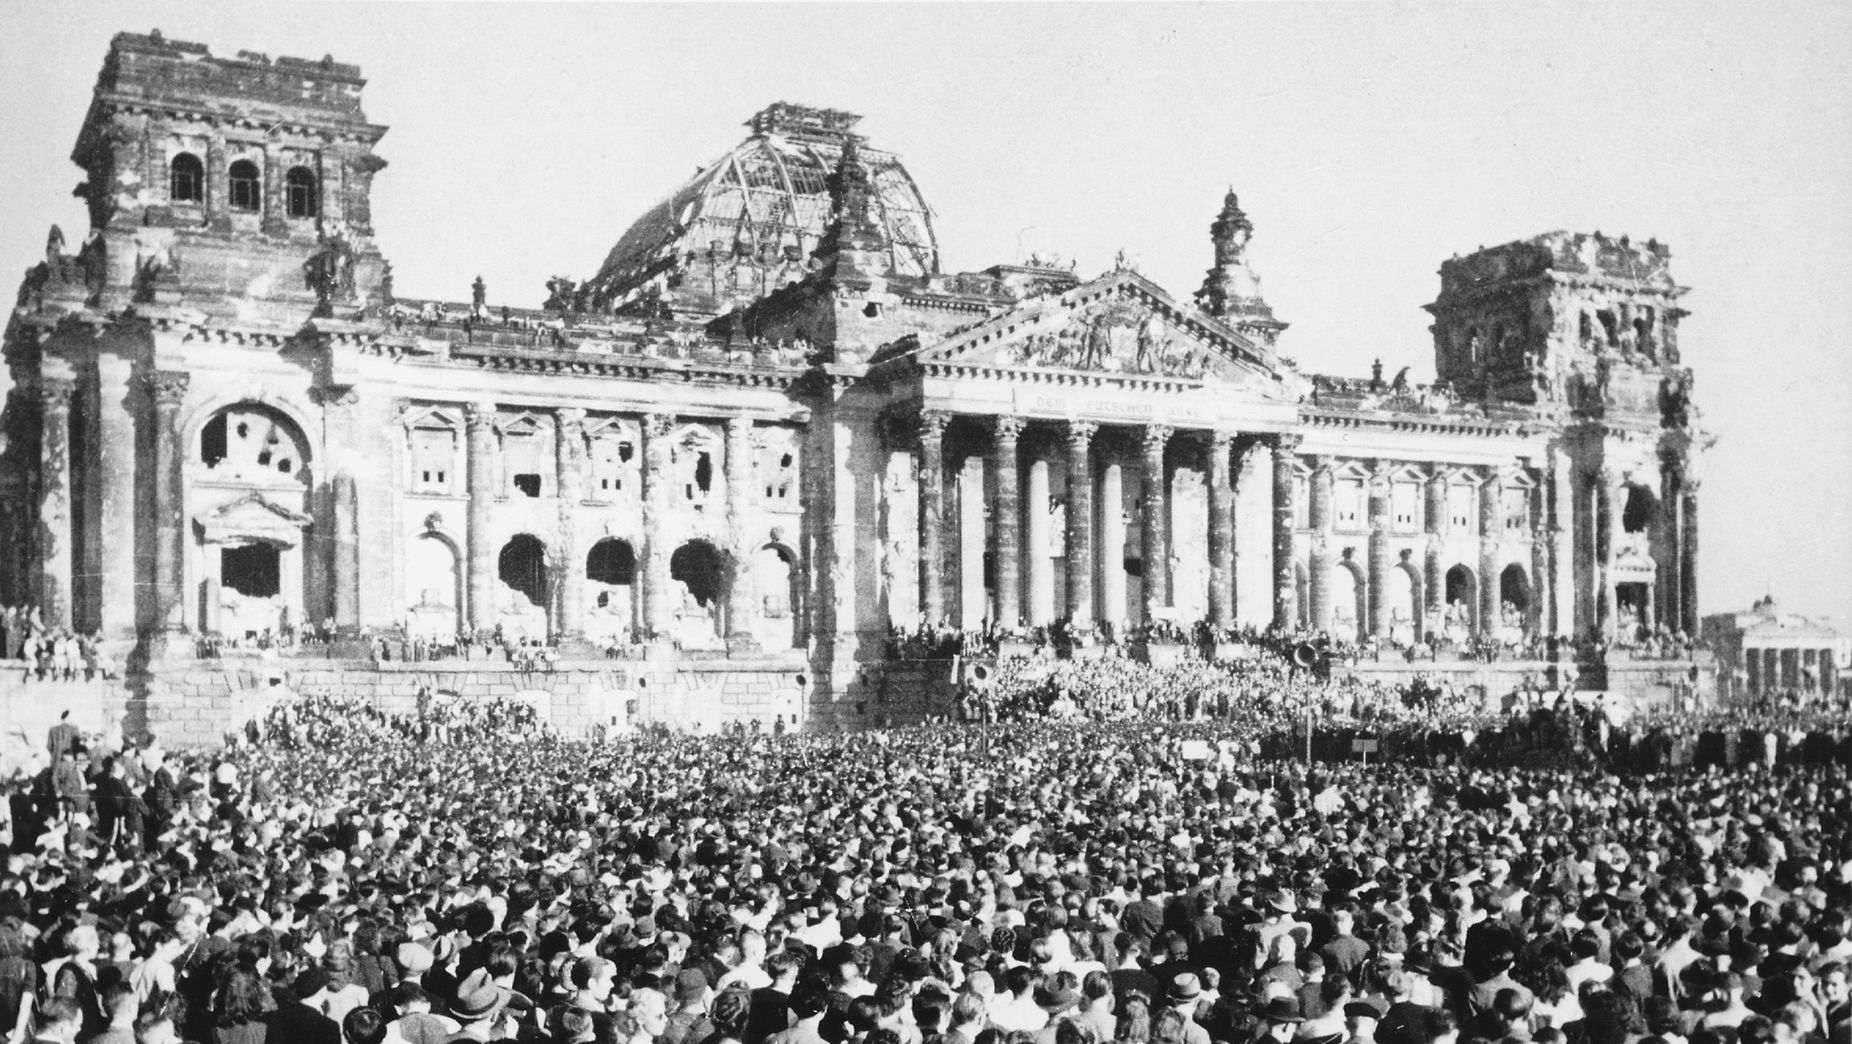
(252, 518)
(1120, 325)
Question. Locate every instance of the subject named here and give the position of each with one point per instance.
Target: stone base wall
(195, 703)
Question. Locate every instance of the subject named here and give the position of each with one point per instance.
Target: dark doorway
(253, 570)
(611, 562)
(523, 566)
(698, 564)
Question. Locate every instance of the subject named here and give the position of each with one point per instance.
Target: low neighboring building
(1765, 651)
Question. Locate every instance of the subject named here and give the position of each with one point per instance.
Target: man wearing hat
(1278, 1021)
(479, 1000)
(689, 1024)
(1184, 994)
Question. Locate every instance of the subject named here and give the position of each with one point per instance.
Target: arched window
(246, 191)
(300, 199)
(186, 179)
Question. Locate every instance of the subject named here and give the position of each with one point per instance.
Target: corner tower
(1231, 290)
(1583, 329)
(233, 185)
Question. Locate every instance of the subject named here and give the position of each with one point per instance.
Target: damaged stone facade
(769, 429)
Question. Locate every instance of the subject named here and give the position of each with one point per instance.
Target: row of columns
(1487, 607)
(1549, 596)
(1011, 534)
(658, 608)
(1769, 670)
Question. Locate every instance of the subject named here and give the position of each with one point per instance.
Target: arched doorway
(774, 581)
(249, 485)
(611, 578)
(522, 569)
(1513, 597)
(1460, 608)
(432, 583)
(697, 572)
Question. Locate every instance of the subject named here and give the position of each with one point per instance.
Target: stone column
(1285, 448)
(1538, 617)
(1434, 522)
(54, 508)
(1221, 531)
(169, 391)
(218, 184)
(1319, 518)
(932, 516)
(1007, 518)
(1080, 524)
(1379, 549)
(115, 471)
(1246, 485)
(1037, 528)
(1491, 488)
(743, 593)
(1605, 508)
(658, 539)
(1688, 555)
(1562, 546)
(972, 600)
(1155, 528)
(479, 428)
(273, 223)
(1669, 529)
(1111, 553)
(569, 430)
(345, 547)
(1829, 673)
(338, 403)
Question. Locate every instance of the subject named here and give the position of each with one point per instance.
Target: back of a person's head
(1437, 1024)
(1071, 1031)
(1021, 979)
(1096, 986)
(1755, 1029)
(1335, 987)
(1585, 945)
(968, 1008)
(119, 1000)
(1167, 1026)
(782, 962)
(1134, 1022)
(1628, 945)
(1511, 1005)
(363, 1025)
(731, 1008)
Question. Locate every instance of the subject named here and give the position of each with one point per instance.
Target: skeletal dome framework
(748, 222)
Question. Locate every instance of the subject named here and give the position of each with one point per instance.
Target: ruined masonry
(767, 430)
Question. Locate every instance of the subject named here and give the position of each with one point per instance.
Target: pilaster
(931, 435)
(1006, 515)
(54, 505)
(1080, 524)
(1221, 531)
(168, 390)
(479, 431)
(1285, 450)
(1155, 521)
(1378, 562)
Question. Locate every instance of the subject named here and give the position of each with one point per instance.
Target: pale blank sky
(1368, 142)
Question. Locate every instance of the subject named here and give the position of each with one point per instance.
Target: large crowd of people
(340, 875)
